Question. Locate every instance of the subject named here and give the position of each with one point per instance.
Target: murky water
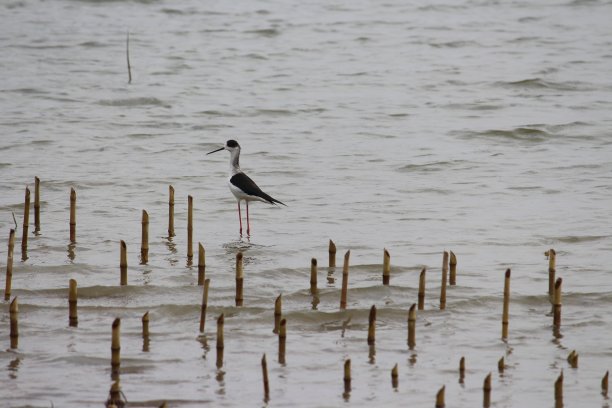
(482, 127)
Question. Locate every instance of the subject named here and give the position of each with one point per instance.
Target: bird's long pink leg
(240, 218)
(248, 223)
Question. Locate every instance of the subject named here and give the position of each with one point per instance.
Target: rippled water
(477, 126)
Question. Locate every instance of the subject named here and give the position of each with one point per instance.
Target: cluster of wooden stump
(449, 277)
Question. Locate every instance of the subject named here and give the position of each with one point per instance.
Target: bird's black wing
(244, 182)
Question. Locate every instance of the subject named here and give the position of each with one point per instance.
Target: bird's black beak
(218, 150)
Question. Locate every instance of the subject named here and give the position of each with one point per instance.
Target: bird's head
(230, 145)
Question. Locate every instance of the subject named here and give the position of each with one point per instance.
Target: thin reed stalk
(123, 263)
(72, 215)
(559, 390)
(394, 377)
(604, 384)
(9, 265)
(444, 280)
(144, 245)
(127, 55)
(386, 267)
(347, 376)
(26, 225)
(486, 388)
(422, 289)
(332, 254)
(239, 279)
(73, 319)
(204, 305)
(36, 205)
(501, 365)
(171, 212)
(282, 340)
(552, 262)
(189, 227)
(313, 275)
(440, 398)
(14, 318)
(278, 306)
(461, 370)
(266, 384)
(412, 327)
(372, 326)
(453, 269)
(506, 307)
(345, 274)
(201, 264)
(557, 304)
(220, 340)
(145, 332)
(116, 347)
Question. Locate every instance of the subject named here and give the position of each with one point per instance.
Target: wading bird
(241, 185)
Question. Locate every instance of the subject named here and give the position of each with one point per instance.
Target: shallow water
(475, 126)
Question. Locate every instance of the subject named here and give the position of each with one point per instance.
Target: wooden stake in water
(171, 212)
(440, 398)
(115, 397)
(506, 305)
(145, 332)
(313, 275)
(412, 326)
(604, 384)
(282, 340)
(394, 377)
(572, 359)
(386, 267)
(557, 304)
(36, 205)
(501, 365)
(72, 215)
(552, 260)
(486, 387)
(453, 269)
(278, 305)
(444, 279)
(372, 326)
(9, 265)
(264, 370)
(220, 341)
(239, 279)
(422, 289)
(189, 227)
(26, 225)
(116, 347)
(461, 370)
(204, 305)
(559, 390)
(201, 264)
(123, 263)
(144, 246)
(14, 330)
(347, 376)
(345, 274)
(332, 254)
(73, 319)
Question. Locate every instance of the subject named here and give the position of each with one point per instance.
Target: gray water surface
(480, 127)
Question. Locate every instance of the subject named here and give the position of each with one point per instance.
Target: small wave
(265, 32)
(432, 167)
(273, 112)
(141, 101)
(93, 44)
(455, 44)
(528, 134)
(573, 239)
(539, 83)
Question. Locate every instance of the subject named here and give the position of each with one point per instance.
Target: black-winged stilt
(241, 185)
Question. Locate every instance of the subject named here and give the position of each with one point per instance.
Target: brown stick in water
(72, 215)
(453, 269)
(171, 212)
(372, 326)
(123, 263)
(144, 245)
(14, 330)
(444, 279)
(345, 274)
(422, 289)
(9, 265)
(506, 306)
(386, 267)
(204, 305)
(332, 254)
(201, 264)
(189, 227)
(73, 319)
